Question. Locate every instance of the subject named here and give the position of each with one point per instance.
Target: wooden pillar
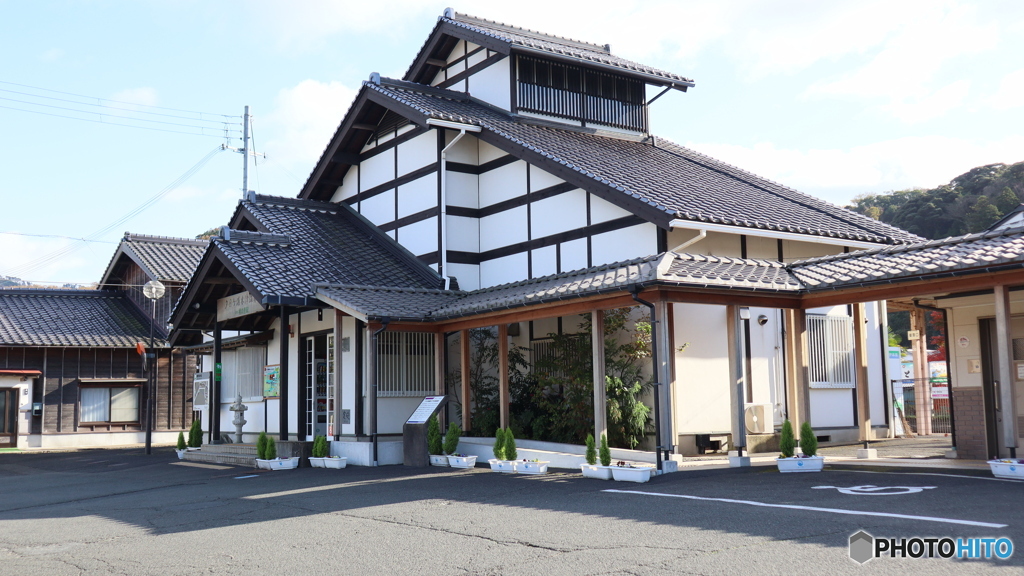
(440, 384)
(503, 395)
(1005, 372)
(464, 358)
(737, 385)
(860, 344)
(797, 378)
(922, 395)
(597, 345)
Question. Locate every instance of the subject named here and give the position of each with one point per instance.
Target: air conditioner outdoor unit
(758, 418)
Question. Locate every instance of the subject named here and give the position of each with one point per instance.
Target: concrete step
(241, 449)
(221, 458)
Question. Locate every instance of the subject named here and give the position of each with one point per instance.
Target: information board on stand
(427, 407)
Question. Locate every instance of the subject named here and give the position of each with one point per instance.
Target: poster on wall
(272, 381)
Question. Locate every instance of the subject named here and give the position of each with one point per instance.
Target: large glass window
(242, 373)
(102, 404)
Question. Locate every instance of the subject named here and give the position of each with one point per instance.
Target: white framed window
(405, 364)
(242, 373)
(830, 351)
(109, 404)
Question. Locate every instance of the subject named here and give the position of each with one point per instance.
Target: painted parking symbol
(872, 490)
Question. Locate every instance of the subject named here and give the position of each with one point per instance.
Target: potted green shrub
(320, 455)
(266, 455)
(181, 447)
(451, 446)
(501, 462)
(789, 460)
(434, 447)
(195, 436)
(591, 469)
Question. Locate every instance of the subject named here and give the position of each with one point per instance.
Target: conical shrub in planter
(591, 454)
(787, 442)
(606, 452)
(451, 446)
(261, 446)
(501, 462)
(591, 469)
(181, 447)
(195, 434)
(510, 445)
(809, 461)
(434, 445)
(808, 441)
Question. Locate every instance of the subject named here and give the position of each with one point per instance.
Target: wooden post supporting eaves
(597, 344)
(860, 343)
(797, 378)
(922, 394)
(503, 394)
(737, 385)
(464, 361)
(1005, 372)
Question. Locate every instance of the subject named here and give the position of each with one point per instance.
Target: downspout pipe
(373, 384)
(701, 234)
(657, 370)
(949, 368)
(443, 248)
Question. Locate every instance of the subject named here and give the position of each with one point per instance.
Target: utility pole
(244, 151)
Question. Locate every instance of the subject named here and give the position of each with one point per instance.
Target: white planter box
(807, 464)
(335, 463)
(438, 460)
(508, 466)
(278, 463)
(596, 471)
(181, 454)
(623, 474)
(321, 462)
(462, 461)
(532, 467)
(1011, 470)
(191, 449)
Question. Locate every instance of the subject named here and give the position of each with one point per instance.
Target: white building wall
(492, 84)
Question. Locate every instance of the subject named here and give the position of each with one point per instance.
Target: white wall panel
(417, 153)
(462, 190)
(876, 377)
(502, 229)
(378, 169)
(702, 370)
(602, 210)
(418, 195)
(467, 274)
(792, 250)
(379, 209)
(503, 270)
(420, 237)
(349, 187)
(463, 234)
(503, 183)
(559, 213)
(348, 374)
(476, 58)
(762, 248)
(831, 408)
(488, 152)
(574, 254)
(466, 150)
(544, 261)
(492, 84)
(625, 244)
(540, 179)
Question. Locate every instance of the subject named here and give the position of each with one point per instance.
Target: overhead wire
(219, 135)
(255, 164)
(32, 266)
(115, 101)
(102, 114)
(58, 236)
(134, 109)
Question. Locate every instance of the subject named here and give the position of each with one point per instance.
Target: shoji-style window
(109, 404)
(830, 342)
(242, 373)
(405, 364)
(577, 93)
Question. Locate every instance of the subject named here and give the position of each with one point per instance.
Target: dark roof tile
(75, 318)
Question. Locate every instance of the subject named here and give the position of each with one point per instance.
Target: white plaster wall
(347, 375)
(574, 254)
(701, 390)
(463, 234)
(486, 152)
(417, 153)
(492, 83)
(762, 248)
(463, 190)
(625, 244)
(380, 208)
(831, 408)
(349, 187)
(876, 361)
(602, 210)
(466, 150)
(766, 359)
(474, 59)
(467, 274)
(561, 213)
(417, 196)
(378, 169)
(544, 261)
(793, 250)
(311, 324)
(393, 412)
(540, 179)
(420, 237)
(502, 229)
(503, 270)
(503, 183)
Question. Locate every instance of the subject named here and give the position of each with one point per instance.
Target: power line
(58, 236)
(46, 259)
(101, 115)
(115, 101)
(200, 119)
(221, 135)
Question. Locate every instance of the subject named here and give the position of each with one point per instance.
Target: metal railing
(905, 399)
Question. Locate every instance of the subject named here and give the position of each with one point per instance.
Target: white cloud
(837, 175)
(303, 121)
(1010, 93)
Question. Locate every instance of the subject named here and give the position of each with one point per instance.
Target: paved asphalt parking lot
(121, 512)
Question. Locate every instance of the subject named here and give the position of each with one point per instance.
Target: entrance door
(8, 418)
(989, 386)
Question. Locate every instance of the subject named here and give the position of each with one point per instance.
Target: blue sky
(831, 98)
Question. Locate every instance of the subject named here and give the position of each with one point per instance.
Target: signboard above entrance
(237, 305)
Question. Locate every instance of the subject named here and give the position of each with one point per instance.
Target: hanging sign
(425, 409)
(272, 381)
(237, 305)
(913, 334)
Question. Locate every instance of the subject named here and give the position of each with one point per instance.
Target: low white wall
(360, 453)
(99, 439)
(568, 456)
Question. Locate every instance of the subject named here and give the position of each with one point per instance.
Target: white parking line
(816, 509)
(936, 474)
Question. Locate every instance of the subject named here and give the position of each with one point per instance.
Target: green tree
(434, 435)
(787, 440)
(982, 215)
(1007, 201)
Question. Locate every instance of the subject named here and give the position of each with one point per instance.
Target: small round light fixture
(762, 320)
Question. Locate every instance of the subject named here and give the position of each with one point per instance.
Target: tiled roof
(305, 242)
(388, 301)
(673, 180)
(162, 258)
(717, 271)
(979, 253)
(77, 318)
(530, 40)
